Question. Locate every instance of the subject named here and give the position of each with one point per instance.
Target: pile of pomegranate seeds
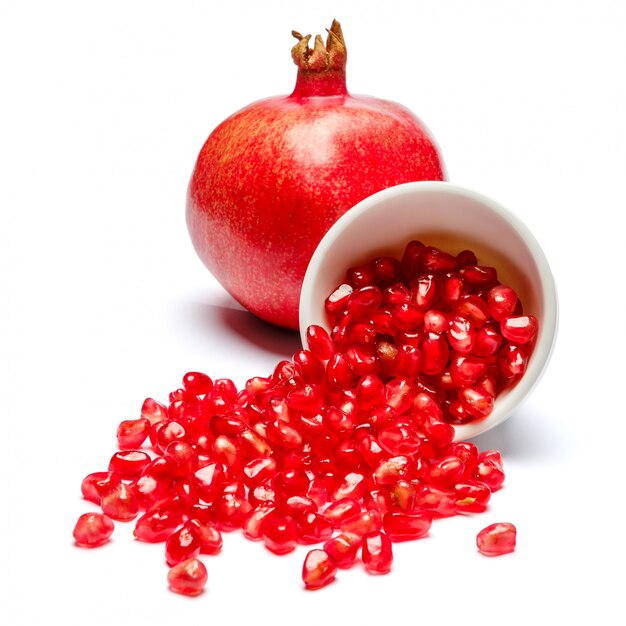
(349, 444)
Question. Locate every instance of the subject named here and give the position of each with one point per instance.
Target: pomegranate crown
(321, 58)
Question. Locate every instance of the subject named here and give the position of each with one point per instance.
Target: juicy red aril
(364, 301)
(209, 481)
(480, 276)
(362, 523)
(119, 502)
(437, 261)
(132, 433)
(343, 549)
(318, 570)
(129, 463)
(472, 497)
(319, 342)
(95, 484)
(208, 535)
(411, 261)
(519, 329)
(188, 578)
(341, 509)
(405, 526)
(512, 360)
(376, 553)
(157, 524)
(182, 545)
(502, 301)
(92, 530)
(279, 533)
(153, 411)
(497, 539)
(472, 308)
(197, 383)
(435, 353)
(313, 528)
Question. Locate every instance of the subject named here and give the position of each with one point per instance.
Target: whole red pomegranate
(273, 178)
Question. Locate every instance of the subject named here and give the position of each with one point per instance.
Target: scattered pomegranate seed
(497, 539)
(348, 445)
(92, 530)
(319, 569)
(376, 553)
(188, 578)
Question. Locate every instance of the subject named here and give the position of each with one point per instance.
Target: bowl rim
(544, 346)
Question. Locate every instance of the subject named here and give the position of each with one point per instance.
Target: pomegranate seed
(490, 473)
(425, 292)
(188, 578)
(437, 261)
(472, 497)
(157, 524)
(519, 329)
(512, 360)
(411, 262)
(472, 308)
(342, 509)
(435, 353)
(466, 370)
(476, 401)
(291, 482)
(93, 530)
(361, 276)
(488, 341)
(153, 411)
(480, 276)
(336, 301)
(343, 549)
(364, 301)
(392, 469)
(465, 258)
(279, 533)
(182, 545)
(312, 368)
(453, 288)
(208, 535)
(128, 463)
(197, 383)
(209, 480)
(132, 433)
(95, 484)
(406, 525)
(376, 553)
(362, 523)
(319, 342)
(502, 301)
(497, 539)
(387, 270)
(119, 502)
(319, 569)
(313, 528)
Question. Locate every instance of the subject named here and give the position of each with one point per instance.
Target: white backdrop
(104, 107)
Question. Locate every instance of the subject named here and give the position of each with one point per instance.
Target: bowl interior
(452, 218)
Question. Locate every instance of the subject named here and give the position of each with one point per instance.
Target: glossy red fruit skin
(320, 150)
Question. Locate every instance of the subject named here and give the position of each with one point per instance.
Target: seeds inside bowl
(429, 323)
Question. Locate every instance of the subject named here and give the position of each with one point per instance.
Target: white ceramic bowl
(453, 218)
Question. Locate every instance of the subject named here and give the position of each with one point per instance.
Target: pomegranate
(273, 177)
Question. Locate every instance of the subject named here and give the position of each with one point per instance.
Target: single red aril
(153, 411)
(472, 308)
(320, 150)
(497, 539)
(376, 553)
(319, 342)
(96, 483)
(435, 353)
(313, 528)
(502, 301)
(362, 523)
(280, 533)
(437, 261)
(476, 401)
(188, 578)
(519, 329)
(157, 524)
(472, 496)
(479, 276)
(512, 360)
(406, 525)
(93, 530)
(209, 481)
(182, 545)
(319, 569)
(344, 549)
(392, 469)
(197, 383)
(129, 463)
(119, 502)
(132, 433)
(208, 535)
(340, 510)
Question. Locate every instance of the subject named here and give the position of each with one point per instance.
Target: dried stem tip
(321, 58)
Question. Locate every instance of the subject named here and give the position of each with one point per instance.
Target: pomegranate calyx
(322, 69)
